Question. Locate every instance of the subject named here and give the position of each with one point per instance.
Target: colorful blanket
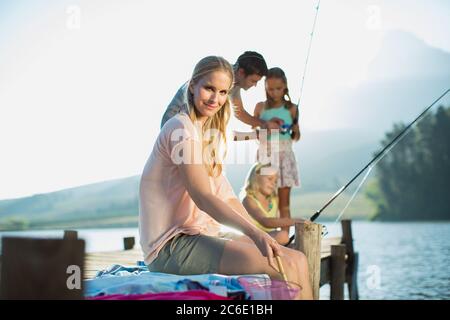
(138, 280)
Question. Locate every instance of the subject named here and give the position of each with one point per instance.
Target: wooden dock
(331, 260)
(335, 265)
(98, 261)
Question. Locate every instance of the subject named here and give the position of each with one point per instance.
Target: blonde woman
(184, 195)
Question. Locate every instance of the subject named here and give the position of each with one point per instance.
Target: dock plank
(97, 261)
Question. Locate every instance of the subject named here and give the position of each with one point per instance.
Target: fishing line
(252, 135)
(381, 154)
(373, 162)
(370, 169)
(354, 194)
(308, 52)
(295, 120)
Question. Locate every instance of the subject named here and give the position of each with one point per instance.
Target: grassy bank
(303, 205)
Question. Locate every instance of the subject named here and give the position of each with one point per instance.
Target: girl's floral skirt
(281, 155)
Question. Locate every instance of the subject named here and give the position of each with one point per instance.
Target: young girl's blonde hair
(219, 121)
(251, 185)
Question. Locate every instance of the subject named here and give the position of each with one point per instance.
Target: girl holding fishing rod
(277, 145)
(183, 195)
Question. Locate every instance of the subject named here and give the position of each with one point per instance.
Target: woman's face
(275, 88)
(267, 184)
(211, 93)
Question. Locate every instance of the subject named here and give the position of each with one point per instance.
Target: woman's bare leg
(242, 257)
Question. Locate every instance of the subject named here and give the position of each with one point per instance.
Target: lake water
(400, 260)
(397, 260)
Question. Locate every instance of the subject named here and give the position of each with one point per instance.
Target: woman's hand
(268, 246)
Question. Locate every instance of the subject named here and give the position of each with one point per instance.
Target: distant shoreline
(135, 225)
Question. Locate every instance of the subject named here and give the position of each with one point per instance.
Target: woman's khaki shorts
(191, 254)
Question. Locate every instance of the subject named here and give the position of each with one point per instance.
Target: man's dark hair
(252, 63)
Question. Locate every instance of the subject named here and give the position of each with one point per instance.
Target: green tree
(14, 224)
(413, 178)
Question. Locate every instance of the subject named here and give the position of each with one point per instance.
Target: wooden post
(70, 234)
(347, 236)
(308, 238)
(42, 268)
(128, 243)
(352, 278)
(337, 272)
(352, 260)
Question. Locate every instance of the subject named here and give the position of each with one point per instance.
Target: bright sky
(83, 84)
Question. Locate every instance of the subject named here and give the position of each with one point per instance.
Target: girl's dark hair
(252, 63)
(278, 73)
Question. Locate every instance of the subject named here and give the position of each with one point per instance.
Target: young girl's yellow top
(272, 213)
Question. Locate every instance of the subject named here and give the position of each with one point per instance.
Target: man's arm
(253, 121)
(247, 118)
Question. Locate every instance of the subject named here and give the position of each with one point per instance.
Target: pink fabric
(184, 295)
(165, 207)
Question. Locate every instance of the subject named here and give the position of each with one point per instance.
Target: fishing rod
(253, 135)
(295, 120)
(399, 136)
(307, 57)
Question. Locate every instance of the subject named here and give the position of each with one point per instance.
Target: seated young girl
(261, 202)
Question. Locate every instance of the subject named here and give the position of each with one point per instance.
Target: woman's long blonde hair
(251, 185)
(218, 122)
